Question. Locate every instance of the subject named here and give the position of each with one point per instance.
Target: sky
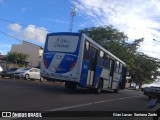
(31, 20)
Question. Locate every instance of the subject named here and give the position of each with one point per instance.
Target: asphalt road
(22, 95)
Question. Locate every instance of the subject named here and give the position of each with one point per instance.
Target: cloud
(31, 32)
(15, 27)
(136, 18)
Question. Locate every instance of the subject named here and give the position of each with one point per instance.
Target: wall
(30, 49)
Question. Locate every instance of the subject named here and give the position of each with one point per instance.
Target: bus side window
(101, 58)
(92, 58)
(107, 61)
(86, 50)
(112, 66)
(120, 68)
(115, 67)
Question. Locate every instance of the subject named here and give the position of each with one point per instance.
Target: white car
(1, 69)
(28, 73)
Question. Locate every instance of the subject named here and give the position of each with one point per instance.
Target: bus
(77, 60)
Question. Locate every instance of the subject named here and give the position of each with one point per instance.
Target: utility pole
(72, 14)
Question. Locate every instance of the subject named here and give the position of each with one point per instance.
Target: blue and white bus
(77, 60)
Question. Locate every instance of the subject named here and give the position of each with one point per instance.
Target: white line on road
(80, 105)
(87, 104)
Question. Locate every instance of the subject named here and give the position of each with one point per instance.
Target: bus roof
(90, 40)
(99, 46)
(64, 33)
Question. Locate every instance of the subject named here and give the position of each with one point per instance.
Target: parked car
(1, 70)
(9, 73)
(28, 73)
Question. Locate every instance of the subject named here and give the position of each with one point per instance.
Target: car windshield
(19, 69)
(13, 69)
(25, 69)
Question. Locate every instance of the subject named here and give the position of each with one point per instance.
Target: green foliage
(145, 69)
(104, 34)
(142, 68)
(18, 58)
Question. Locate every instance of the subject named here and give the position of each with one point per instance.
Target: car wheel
(2, 76)
(11, 76)
(27, 76)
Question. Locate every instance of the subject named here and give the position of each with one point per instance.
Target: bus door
(112, 64)
(92, 65)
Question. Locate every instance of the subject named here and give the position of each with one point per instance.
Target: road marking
(87, 104)
(80, 105)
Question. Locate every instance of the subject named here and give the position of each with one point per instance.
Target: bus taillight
(72, 65)
(45, 63)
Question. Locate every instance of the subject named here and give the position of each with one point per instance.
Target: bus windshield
(62, 43)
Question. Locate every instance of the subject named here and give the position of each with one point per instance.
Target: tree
(142, 68)
(145, 69)
(102, 35)
(17, 58)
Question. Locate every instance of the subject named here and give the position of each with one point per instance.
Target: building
(34, 51)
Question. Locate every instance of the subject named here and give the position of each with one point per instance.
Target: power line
(24, 25)
(11, 36)
(17, 38)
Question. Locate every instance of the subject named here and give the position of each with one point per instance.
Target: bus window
(120, 68)
(117, 67)
(101, 58)
(112, 66)
(101, 54)
(86, 50)
(107, 61)
(62, 43)
(93, 58)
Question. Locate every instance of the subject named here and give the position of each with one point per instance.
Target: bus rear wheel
(99, 86)
(116, 90)
(71, 85)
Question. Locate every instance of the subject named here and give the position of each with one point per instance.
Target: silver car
(28, 73)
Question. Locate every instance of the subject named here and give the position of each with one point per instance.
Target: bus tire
(99, 86)
(71, 85)
(116, 90)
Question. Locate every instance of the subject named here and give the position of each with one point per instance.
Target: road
(23, 95)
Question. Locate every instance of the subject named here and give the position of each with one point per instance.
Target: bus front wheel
(71, 85)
